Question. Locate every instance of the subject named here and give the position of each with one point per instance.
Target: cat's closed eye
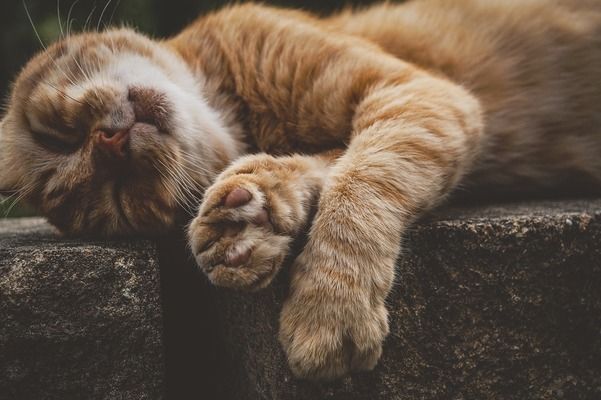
(55, 144)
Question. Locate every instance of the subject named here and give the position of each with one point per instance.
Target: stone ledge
(78, 319)
(490, 302)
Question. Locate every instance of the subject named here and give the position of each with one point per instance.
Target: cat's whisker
(167, 187)
(99, 77)
(188, 197)
(44, 45)
(85, 71)
(88, 74)
(64, 94)
(102, 15)
(69, 27)
(175, 190)
(58, 17)
(186, 176)
(80, 68)
(33, 25)
(71, 81)
(85, 74)
(88, 19)
(196, 162)
(189, 177)
(20, 195)
(5, 199)
(180, 197)
(188, 186)
(69, 20)
(60, 91)
(113, 13)
(191, 160)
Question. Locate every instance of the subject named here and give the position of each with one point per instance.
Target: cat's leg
(411, 144)
(251, 214)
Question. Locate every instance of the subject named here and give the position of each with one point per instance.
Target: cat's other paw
(330, 325)
(247, 221)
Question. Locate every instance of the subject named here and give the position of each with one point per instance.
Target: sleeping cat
(252, 116)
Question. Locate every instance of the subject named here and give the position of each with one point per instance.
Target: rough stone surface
(489, 303)
(78, 319)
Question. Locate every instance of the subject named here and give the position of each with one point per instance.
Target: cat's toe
(329, 327)
(233, 240)
(235, 201)
(313, 352)
(326, 348)
(237, 197)
(239, 257)
(247, 222)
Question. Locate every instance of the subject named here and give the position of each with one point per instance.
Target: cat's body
(373, 116)
(531, 64)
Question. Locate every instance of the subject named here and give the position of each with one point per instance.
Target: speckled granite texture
(495, 302)
(78, 320)
(489, 303)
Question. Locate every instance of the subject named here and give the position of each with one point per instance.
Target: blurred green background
(159, 18)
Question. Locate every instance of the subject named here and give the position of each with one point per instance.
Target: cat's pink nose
(115, 142)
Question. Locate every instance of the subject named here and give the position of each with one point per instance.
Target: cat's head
(109, 133)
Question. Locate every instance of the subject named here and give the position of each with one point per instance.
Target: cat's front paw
(330, 325)
(247, 222)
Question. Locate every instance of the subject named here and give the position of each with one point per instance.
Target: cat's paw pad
(246, 224)
(233, 240)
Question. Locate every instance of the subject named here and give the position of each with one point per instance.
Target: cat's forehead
(47, 89)
(80, 56)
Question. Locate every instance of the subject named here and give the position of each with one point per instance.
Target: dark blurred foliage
(18, 41)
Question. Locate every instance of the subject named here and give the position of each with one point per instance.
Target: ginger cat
(372, 117)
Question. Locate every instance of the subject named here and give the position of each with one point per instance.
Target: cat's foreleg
(411, 144)
(251, 214)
